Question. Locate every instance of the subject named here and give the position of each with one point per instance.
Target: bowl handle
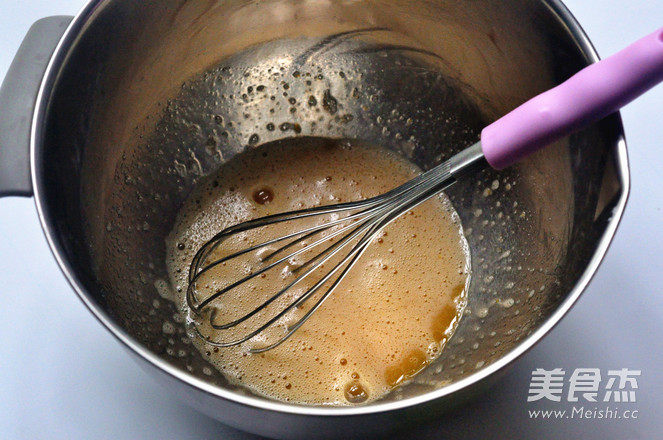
(18, 97)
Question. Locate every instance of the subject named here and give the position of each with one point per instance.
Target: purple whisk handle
(591, 94)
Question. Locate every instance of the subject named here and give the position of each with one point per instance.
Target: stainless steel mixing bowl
(142, 100)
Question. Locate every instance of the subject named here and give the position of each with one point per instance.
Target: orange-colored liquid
(388, 319)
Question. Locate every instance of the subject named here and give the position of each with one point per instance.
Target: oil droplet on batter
(443, 324)
(408, 367)
(355, 393)
(440, 328)
(263, 196)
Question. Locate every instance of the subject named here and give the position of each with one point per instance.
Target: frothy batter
(388, 319)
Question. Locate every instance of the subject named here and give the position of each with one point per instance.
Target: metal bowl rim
(57, 61)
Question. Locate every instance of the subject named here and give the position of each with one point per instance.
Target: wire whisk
(342, 234)
(593, 93)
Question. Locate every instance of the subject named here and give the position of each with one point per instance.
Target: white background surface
(62, 376)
